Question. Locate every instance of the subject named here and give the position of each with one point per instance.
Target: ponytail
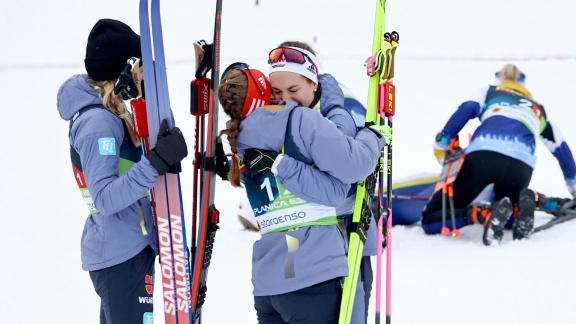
(509, 72)
(110, 101)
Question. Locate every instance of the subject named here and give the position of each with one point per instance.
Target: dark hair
(298, 44)
(231, 95)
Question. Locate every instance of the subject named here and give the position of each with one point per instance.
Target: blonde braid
(110, 101)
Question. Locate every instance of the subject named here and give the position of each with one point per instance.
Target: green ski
(365, 190)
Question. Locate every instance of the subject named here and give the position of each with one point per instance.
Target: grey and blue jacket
(331, 106)
(121, 223)
(321, 253)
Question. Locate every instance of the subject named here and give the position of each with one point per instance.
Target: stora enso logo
(107, 146)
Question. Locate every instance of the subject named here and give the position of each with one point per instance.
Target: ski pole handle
(200, 94)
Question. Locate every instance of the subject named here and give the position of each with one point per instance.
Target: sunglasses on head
(290, 55)
(241, 66)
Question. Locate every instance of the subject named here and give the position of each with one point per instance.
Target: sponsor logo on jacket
(107, 145)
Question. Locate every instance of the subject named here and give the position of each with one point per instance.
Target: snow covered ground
(447, 49)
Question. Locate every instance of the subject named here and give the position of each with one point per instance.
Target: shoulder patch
(107, 145)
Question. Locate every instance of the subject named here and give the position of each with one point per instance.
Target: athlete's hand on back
(259, 161)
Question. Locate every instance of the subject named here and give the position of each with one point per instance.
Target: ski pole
(387, 110)
(444, 231)
(455, 231)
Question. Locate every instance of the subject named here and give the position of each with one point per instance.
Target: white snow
(447, 50)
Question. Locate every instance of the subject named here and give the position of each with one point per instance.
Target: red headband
(258, 93)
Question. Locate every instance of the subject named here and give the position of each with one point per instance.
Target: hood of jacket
(264, 129)
(75, 94)
(332, 95)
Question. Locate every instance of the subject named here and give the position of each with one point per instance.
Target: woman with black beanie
(119, 243)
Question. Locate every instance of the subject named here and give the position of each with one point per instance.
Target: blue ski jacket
(510, 122)
(122, 224)
(322, 249)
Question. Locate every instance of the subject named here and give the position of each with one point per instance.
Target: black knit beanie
(110, 44)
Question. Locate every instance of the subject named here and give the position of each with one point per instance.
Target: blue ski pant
(126, 289)
(317, 304)
(363, 292)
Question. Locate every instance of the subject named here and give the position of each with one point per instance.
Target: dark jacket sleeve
(466, 111)
(557, 145)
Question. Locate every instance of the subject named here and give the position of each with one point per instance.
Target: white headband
(308, 70)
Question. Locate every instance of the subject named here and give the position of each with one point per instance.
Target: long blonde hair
(110, 101)
(232, 94)
(509, 72)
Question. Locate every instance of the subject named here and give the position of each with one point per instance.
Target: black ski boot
(500, 211)
(524, 222)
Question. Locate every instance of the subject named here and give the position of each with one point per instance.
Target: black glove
(381, 131)
(169, 150)
(222, 165)
(259, 161)
(553, 205)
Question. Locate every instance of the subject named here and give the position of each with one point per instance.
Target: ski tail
(206, 222)
(567, 216)
(166, 195)
(180, 253)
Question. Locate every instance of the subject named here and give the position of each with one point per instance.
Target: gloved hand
(170, 149)
(572, 189)
(259, 161)
(554, 205)
(550, 204)
(443, 144)
(570, 204)
(222, 165)
(381, 131)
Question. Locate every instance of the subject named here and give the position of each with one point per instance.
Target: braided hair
(110, 101)
(231, 95)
